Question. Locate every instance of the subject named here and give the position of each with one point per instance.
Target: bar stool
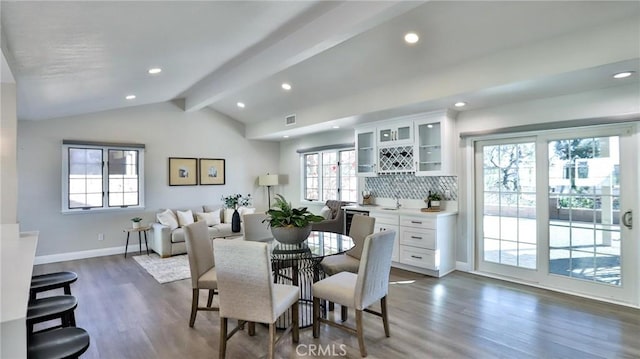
(45, 282)
(58, 343)
(49, 308)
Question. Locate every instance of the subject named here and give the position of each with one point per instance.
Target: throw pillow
(185, 217)
(325, 212)
(246, 210)
(168, 218)
(212, 218)
(228, 213)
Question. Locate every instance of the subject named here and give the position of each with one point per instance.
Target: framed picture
(212, 171)
(183, 171)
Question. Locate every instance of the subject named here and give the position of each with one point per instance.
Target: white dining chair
(360, 290)
(248, 294)
(201, 265)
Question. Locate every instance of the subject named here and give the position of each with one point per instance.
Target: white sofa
(169, 242)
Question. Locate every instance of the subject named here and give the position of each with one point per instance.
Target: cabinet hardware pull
(416, 257)
(416, 222)
(414, 237)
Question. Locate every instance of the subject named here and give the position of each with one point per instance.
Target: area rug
(165, 270)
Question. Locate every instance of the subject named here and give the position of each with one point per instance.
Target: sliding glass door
(552, 209)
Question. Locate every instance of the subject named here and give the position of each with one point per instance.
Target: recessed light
(622, 75)
(286, 86)
(411, 37)
(130, 97)
(286, 136)
(240, 104)
(460, 104)
(336, 126)
(155, 70)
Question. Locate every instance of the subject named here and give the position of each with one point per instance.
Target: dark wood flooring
(129, 315)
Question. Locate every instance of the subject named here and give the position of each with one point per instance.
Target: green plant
(235, 200)
(435, 196)
(282, 214)
(136, 219)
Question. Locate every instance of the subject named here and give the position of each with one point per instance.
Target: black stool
(58, 343)
(45, 282)
(49, 308)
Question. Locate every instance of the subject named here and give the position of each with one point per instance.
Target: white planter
(435, 203)
(135, 224)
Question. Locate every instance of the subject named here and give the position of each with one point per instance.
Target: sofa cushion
(184, 217)
(177, 235)
(212, 218)
(246, 210)
(168, 218)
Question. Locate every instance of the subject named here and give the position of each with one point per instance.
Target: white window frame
(303, 174)
(105, 147)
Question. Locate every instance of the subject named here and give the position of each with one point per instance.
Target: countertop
(401, 210)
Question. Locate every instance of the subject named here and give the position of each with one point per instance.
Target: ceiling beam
(322, 27)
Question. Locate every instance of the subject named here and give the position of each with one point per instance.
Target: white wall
(290, 161)
(8, 126)
(593, 104)
(167, 131)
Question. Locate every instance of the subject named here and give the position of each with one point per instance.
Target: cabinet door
(395, 256)
(393, 134)
(366, 152)
(433, 149)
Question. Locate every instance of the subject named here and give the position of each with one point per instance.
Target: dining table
(299, 265)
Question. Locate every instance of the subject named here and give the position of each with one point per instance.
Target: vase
(291, 235)
(235, 221)
(135, 224)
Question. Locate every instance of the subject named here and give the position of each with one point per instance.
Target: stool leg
(67, 289)
(146, 244)
(140, 241)
(126, 245)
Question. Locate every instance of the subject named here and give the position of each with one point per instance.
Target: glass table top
(318, 245)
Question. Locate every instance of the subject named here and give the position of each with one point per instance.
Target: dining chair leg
(316, 317)
(272, 340)
(223, 338)
(385, 317)
(252, 329)
(344, 312)
(210, 298)
(194, 306)
(295, 332)
(360, 331)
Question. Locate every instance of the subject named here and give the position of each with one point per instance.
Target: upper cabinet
(395, 133)
(366, 153)
(434, 146)
(422, 144)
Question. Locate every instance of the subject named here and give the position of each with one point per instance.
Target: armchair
(335, 222)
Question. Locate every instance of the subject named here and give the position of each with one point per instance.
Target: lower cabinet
(424, 243)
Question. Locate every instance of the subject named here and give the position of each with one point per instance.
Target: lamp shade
(268, 180)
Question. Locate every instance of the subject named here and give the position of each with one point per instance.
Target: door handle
(627, 219)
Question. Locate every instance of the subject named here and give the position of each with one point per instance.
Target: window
(330, 175)
(101, 176)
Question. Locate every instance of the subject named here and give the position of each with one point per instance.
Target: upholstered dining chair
(248, 294)
(360, 290)
(202, 266)
(255, 229)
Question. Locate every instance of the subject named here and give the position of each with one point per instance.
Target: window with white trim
(101, 176)
(330, 175)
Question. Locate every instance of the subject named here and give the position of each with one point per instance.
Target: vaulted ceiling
(346, 61)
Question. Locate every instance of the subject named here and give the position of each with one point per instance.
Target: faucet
(397, 200)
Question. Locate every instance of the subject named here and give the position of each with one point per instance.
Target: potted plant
(290, 225)
(433, 200)
(135, 222)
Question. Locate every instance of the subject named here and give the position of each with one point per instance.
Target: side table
(140, 230)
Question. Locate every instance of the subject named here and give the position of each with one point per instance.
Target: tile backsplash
(409, 186)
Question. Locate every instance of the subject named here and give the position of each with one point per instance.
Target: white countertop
(18, 254)
(401, 210)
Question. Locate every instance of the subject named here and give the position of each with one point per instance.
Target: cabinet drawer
(423, 238)
(383, 218)
(418, 222)
(419, 257)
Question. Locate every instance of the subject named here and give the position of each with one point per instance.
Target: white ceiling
(70, 58)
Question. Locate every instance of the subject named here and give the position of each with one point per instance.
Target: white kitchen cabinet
(395, 133)
(366, 152)
(386, 222)
(427, 243)
(434, 149)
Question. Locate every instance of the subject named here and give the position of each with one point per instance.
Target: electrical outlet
(447, 194)
(101, 236)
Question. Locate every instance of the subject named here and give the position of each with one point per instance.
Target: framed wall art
(183, 171)
(212, 171)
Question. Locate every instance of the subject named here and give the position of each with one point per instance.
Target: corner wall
(167, 131)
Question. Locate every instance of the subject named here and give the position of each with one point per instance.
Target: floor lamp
(268, 180)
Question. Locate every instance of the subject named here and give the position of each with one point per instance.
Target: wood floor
(129, 315)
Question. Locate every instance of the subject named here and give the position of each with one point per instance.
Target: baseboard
(70, 256)
(463, 266)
